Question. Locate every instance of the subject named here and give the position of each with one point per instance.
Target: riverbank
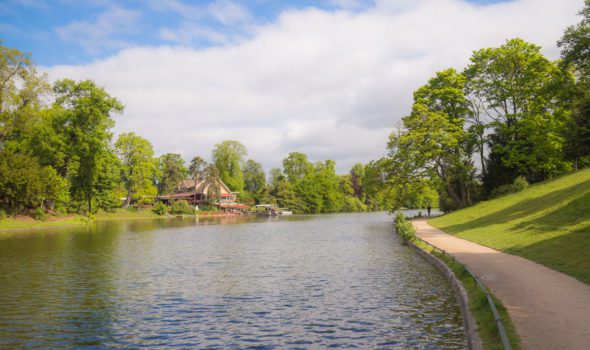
(549, 309)
(27, 222)
(548, 223)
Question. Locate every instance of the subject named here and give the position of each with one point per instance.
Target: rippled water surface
(334, 281)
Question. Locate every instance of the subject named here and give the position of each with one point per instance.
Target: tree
(21, 89)
(25, 184)
(84, 113)
(518, 90)
(433, 142)
(196, 167)
(575, 53)
(254, 177)
(228, 157)
(171, 170)
(109, 188)
(212, 178)
(357, 176)
(296, 166)
(139, 168)
(575, 44)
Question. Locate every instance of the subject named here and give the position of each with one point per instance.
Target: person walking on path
(550, 310)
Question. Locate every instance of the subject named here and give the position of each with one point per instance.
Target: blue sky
(73, 32)
(329, 78)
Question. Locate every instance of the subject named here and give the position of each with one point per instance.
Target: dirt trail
(549, 309)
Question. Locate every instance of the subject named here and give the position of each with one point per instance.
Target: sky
(329, 78)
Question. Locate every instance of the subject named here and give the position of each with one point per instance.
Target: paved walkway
(549, 309)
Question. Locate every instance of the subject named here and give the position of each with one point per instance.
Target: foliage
(296, 166)
(25, 184)
(172, 171)
(211, 176)
(432, 144)
(403, 227)
(254, 178)
(518, 87)
(138, 166)
(518, 185)
(353, 204)
(575, 43)
(160, 208)
(84, 112)
(196, 167)
(228, 157)
(182, 207)
(39, 214)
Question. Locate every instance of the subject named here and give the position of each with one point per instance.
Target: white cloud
(192, 29)
(101, 33)
(331, 84)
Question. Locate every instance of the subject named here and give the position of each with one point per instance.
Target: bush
(403, 227)
(39, 214)
(353, 204)
(182, 207)
(160, 208)
(518, 185)
(2, 214)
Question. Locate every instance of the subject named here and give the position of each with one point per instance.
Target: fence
(495, 313)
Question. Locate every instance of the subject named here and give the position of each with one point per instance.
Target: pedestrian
(428, 209)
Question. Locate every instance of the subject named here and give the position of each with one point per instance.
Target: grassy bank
(548, 223)
(478, 305)
(23, 222)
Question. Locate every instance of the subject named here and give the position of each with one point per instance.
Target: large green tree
(171, 172)
(228, 157)
(83, 111)
(254, 178)
(519, 90)
(575, 45)
(139, 166)
(432, 143)
(296, 166)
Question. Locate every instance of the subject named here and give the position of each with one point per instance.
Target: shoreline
(22, 223)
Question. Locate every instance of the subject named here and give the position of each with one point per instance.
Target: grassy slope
(548, 223)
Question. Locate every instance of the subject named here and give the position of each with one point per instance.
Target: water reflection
(297, 282)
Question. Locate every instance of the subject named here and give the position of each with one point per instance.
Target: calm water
(335, 281)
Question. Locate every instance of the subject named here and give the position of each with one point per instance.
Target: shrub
(160, 208)
(518, 185)
(182, 207)
(39, 214)
(2, 214)
(403, 227)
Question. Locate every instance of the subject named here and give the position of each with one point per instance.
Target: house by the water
(197, 191)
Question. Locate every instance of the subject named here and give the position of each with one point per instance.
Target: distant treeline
(510, 118)
(57, 154)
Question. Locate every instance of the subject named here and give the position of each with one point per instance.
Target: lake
(299, 282)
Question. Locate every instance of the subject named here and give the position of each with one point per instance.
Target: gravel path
(549, 309)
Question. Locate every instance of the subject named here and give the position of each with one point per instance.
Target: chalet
(196, 191)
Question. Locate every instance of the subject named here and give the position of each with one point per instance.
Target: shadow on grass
(567, 253)
(573, 212)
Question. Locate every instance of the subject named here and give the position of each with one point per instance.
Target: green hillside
(548, 223)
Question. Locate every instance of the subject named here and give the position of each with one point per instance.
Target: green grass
(548, 223)
(25, 222)
(478, 305)
(130, 213)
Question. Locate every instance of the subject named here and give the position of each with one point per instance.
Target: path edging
(473, 340)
